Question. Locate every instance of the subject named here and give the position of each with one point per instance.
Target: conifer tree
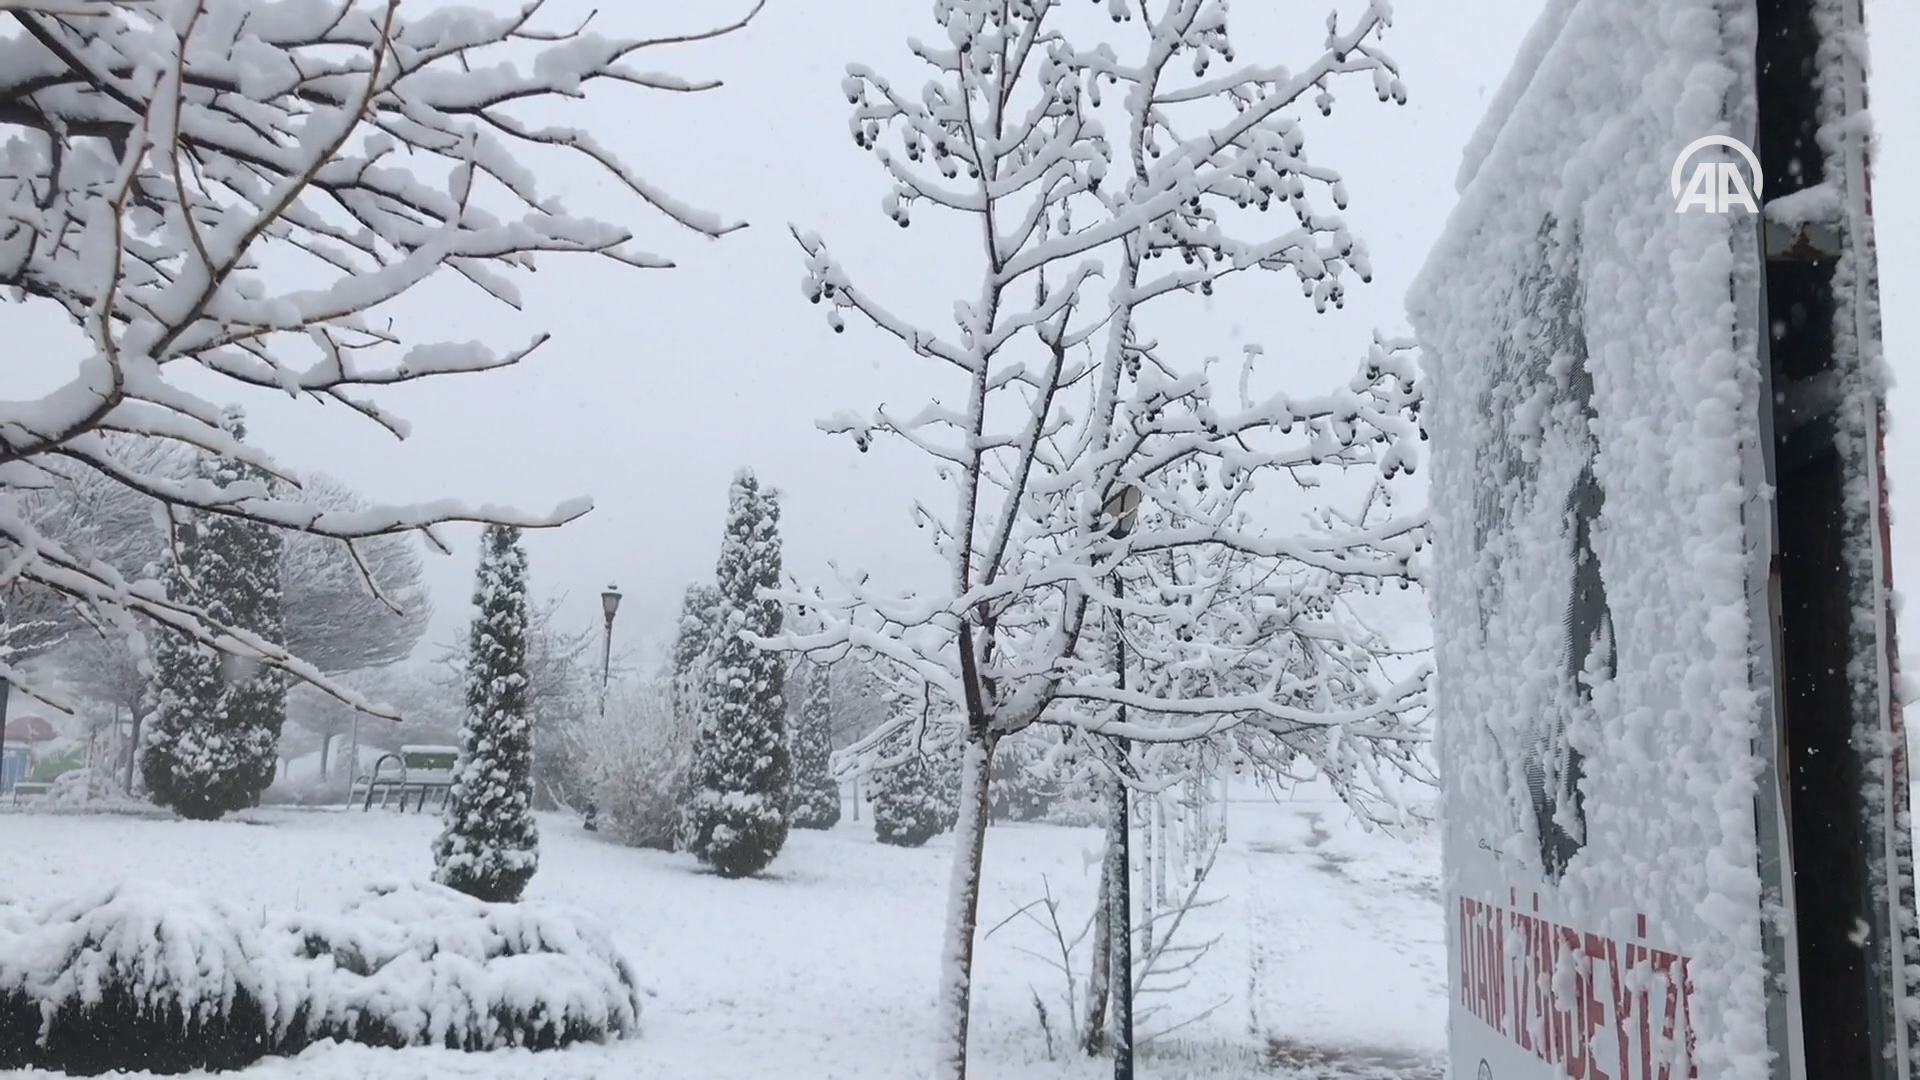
(1020, 790)
(489, 847)
(211, 740)
(737, 816)
(910, 801)
(816, 794)
(693, 651)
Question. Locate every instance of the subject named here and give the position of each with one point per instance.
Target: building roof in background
(30, 729)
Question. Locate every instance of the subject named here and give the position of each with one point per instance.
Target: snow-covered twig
(167, 151)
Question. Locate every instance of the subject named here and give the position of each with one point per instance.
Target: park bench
(426, 770)
(28, 789)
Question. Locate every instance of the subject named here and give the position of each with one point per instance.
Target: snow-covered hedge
(148, 976)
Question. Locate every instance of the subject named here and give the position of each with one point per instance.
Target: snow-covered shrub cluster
(635, 761)
(149, 976)
(89, 789)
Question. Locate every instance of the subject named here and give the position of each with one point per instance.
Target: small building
(16, 763)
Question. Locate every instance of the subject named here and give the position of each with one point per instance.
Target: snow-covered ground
(1330, 942)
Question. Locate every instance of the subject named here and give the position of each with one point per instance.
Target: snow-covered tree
(816, 794)
(164, 152)
(347, 606)
(1141, 154)
(210, 747)
(691, 672)
(690, 679)
(1021, 786)
(910, 801)
(743, 775)
(563, 677)
(352, 605)
(489, 846)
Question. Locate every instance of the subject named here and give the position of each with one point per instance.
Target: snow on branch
(165, 153)
(1091, 158)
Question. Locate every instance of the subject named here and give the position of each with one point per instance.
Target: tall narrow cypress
(489, 846)
(816, 794)
(737, 816)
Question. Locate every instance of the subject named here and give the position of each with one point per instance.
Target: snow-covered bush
(132, 977)
(635, 761)
(151, 977)
(424, 965)
(89, 789)
(912, 801)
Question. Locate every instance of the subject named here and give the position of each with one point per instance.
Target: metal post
(606, 662)
(1120, 891)
(353, 758)
(609, 604)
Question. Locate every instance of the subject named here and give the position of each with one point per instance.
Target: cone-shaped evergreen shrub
(737, 815)
(489, 847)
(911, 803)
(816, 794)
(690, 695)
(210, 743)
(1020, 790)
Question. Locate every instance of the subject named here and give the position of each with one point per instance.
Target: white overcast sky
(658, 385)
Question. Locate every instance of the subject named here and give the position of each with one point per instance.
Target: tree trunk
(1094, 1032)
(326, 742)
(1120, 916)
(1149, 873)
(133, 747)
(1162, 855)
(963, 912)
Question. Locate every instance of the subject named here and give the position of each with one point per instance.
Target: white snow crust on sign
(1572, 321)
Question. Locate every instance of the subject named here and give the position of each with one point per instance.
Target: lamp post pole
(609, 604)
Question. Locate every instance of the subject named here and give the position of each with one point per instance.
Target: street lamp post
(1122, 508)
(609, 604)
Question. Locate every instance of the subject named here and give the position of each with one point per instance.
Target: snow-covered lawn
(1330, 940)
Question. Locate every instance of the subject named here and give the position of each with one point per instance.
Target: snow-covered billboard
(1676, 800)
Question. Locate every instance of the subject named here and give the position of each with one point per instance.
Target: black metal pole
(606, 662)
(590, 819)
(1119, 890)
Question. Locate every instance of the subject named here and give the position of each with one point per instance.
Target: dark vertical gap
(1826, 827)
(1828, 876)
